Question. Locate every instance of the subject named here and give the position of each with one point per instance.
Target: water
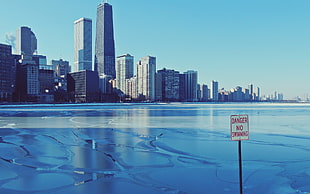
(153, 148)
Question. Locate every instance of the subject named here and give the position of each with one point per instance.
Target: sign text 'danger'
(239, 126)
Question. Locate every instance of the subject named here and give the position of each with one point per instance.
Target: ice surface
(152, 148)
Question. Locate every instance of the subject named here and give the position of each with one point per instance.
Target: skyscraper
(26, 41)
(27, 78)
(205, 93)
(182, 93)
(251, 92)
(6, 74)
(82, 45)
(191, 79)
(146, 69)
(61, 67)
(132, 88)
(104, 46)
(257, 96)
(124, 71)
(167, 85)
(214, 91)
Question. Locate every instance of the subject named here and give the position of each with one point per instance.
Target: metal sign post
(240, 167)
(239, 127)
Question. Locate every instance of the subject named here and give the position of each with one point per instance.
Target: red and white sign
(239, 127)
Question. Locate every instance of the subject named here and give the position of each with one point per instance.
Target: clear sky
(264, 42)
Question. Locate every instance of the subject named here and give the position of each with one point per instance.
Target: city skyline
(264, 42)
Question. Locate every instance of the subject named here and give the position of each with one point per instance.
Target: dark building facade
(83, 86)
(39, 59)
(6, 73)
(61, 67)
(16, 64)
(191, 82)
(167, 85)
(27, 82)
(26, 41)
(204, 93)
(182, 87)
(46, 79)
(104, 45)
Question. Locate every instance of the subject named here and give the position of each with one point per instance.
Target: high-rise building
(105, 85)
(237, 94)
(132, 88)
(40, 60)
(104, 45)
(159, 86)
(61, 67)
(46, 79)
(16, 64)
(82, 45)
(214, 91)
(199, 92)
(6, 73)
(124, 71)
(146, 70)
(83, 86)
(26, 41)
(246, 94)
(167, 85)
(257, 94)
(191, 80)
(182, 92)
(205, 93)
(27, 79)
(251, 92)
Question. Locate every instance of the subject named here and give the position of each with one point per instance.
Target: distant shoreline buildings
(26, 76)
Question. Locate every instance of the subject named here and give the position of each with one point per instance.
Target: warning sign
(239, 127)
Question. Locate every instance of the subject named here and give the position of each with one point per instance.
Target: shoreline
(38, 105)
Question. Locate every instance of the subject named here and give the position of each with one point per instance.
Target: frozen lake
(153, 148)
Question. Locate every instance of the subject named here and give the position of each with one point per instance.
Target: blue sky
(264, 42)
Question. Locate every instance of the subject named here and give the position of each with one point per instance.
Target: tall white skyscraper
(146, 69)
(214, 91)
(82, 45)
(124, 71)
(26, 41)
(257, 92)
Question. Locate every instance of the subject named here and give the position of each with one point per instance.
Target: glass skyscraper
(214, 91)
(26, 42)
(104, 46)
(82, 45)
(191, 80)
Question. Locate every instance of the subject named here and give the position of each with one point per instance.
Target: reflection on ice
(139, 148)
(37, 182)
(6, 173)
